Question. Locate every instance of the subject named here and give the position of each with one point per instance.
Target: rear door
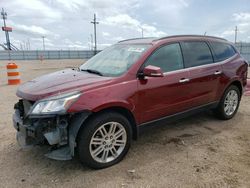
(223, 52)
(204, 74)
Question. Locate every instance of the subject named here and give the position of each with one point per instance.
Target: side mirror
(152, 71)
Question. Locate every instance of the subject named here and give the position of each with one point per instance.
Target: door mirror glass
(152, 71)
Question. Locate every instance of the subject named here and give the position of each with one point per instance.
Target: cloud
(102, 8)
(32, 9)
(185, 3)
(241, 17)
(152, 31)
(32, 30)
(105, 34)
(90, 4)
(78, 42)
(122, 20)
(119, 38)
(73, 4)
(228, 32)
(70, 19)
(69, 44)
(104, 45)
(242, 21)
(77, 46)
(167, 9)
(126, 21)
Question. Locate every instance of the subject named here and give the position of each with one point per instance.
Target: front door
(162, 96)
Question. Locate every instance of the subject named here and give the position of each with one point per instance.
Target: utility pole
(43, 43)
(95, 22)
(141, 31)
(24, 45)
(4, 17)
(235, 36)
(91, 41)
(28, 41)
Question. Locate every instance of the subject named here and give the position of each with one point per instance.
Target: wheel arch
(238, 84)
(234, 82)
(121, 110)
(220, 109)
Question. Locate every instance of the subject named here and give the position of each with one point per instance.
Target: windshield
(115, 60)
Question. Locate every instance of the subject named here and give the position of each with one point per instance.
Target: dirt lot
(199, 151)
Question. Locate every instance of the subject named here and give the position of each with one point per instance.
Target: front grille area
(41, 129)
(23, 106)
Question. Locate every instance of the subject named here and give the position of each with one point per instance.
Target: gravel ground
(199, 151)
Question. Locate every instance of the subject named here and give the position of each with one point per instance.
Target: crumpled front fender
(74, 127)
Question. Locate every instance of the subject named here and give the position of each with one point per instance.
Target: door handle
(217, 72)
(183, 80)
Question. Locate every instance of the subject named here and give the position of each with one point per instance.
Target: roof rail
(189, 36)
(136, 39)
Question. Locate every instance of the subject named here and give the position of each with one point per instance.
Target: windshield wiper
(92, 71)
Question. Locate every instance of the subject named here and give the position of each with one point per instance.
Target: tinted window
(168, 58)
(222, 51)
(196, 53)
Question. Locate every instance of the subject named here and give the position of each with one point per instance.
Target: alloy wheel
(108, 142)
(231, 102)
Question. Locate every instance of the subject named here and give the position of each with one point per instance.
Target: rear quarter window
(222, 51)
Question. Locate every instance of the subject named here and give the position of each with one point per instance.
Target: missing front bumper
(51, 131)
(58, 132)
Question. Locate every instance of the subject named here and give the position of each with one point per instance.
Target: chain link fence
(50, 54)
(244, 49)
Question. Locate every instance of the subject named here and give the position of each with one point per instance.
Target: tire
(228, 107)
(104, 140)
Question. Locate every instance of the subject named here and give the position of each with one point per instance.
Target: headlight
(57, 104)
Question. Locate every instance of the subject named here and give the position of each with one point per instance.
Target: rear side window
(168, 58)
(196, 54)
(222, 51)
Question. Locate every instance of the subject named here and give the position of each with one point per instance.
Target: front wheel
(104, 140)
(229, 103)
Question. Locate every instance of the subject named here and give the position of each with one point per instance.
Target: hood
(59, 82)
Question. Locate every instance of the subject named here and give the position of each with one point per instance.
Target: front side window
(196, 54)
(115, 60)
(168, 58)
(222, 51)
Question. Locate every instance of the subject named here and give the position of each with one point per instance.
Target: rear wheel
(104, 140)
(229, 103)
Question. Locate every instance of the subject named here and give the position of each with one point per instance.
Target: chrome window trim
(201, 66)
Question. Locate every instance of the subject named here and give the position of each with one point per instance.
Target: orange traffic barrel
(13, 74)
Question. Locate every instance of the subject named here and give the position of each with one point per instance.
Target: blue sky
(66, 23)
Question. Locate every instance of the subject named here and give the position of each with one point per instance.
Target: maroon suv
(97, 109)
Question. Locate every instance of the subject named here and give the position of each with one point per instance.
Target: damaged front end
(58, 131)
